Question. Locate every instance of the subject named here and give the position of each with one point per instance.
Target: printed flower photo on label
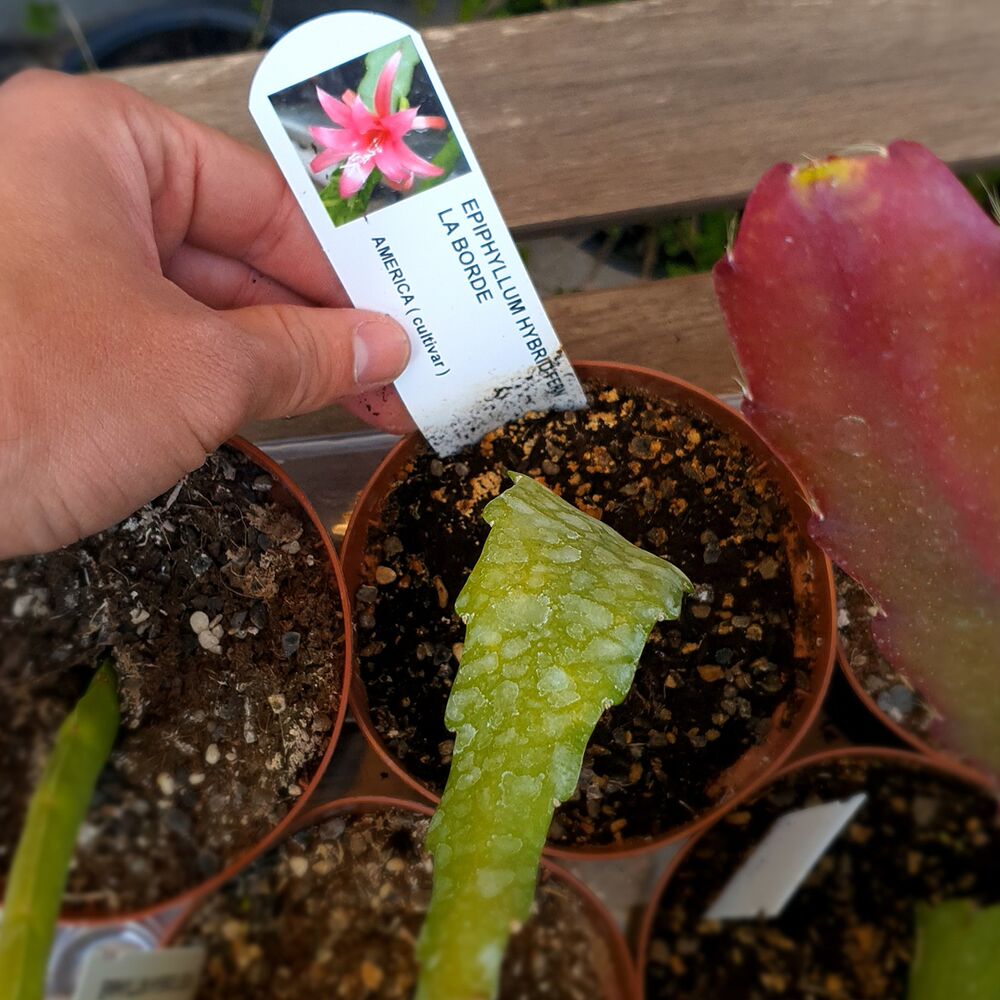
(371, 131)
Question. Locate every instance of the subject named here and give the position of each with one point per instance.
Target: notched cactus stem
(558, 609)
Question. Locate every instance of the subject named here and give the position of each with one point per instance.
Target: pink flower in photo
(367, 139)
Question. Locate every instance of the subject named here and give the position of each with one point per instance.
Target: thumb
(308, 357)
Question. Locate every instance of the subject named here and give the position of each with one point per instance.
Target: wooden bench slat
(674, 326)
(659, 105)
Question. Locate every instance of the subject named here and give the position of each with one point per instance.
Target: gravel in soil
(336, 910)
(216, 605)
(847, 933)
(890, 690)
(708, 686)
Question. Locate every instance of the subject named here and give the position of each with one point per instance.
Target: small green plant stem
(44, 851)
(957, 952)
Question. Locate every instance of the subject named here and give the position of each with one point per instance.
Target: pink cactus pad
(863, 300)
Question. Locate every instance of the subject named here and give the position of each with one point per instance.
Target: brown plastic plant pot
(935, 763)
(905, 733)
(899, 731)
(937, 753)
(812, 580)
(618, 981)
(919, 728)
(286, 492)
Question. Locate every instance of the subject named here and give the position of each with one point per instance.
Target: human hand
(158, 288)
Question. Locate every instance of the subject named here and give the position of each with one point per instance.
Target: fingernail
(381, 351)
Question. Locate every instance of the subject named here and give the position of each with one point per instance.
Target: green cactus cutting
(558, 610)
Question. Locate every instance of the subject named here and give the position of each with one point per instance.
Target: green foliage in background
(41, 19)
(985, 188)
(675, 247)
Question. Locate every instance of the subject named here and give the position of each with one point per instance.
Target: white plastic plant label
(359, 123)
(167, 974)
(771, 875)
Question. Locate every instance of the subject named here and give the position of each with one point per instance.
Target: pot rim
(907, 736)
(620, 957)
(931, 762)
(278, 831)
(950, 760)
(785, 741)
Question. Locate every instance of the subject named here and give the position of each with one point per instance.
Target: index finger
(215, 193)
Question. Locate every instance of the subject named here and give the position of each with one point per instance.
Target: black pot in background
(165, 34)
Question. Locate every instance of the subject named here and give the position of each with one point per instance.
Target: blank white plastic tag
(167, 974)
(772, 874)
(406, 218)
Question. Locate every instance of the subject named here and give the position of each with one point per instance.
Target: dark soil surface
(335, 912)
(847, 934)
(216, 605)
(708, 685)
(889, 689)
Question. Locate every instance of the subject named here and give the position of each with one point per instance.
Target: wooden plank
(655, 106)
(672, 325)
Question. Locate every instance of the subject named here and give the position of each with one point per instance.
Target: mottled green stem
(558, 610)
(45, 849)
(957, 952)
